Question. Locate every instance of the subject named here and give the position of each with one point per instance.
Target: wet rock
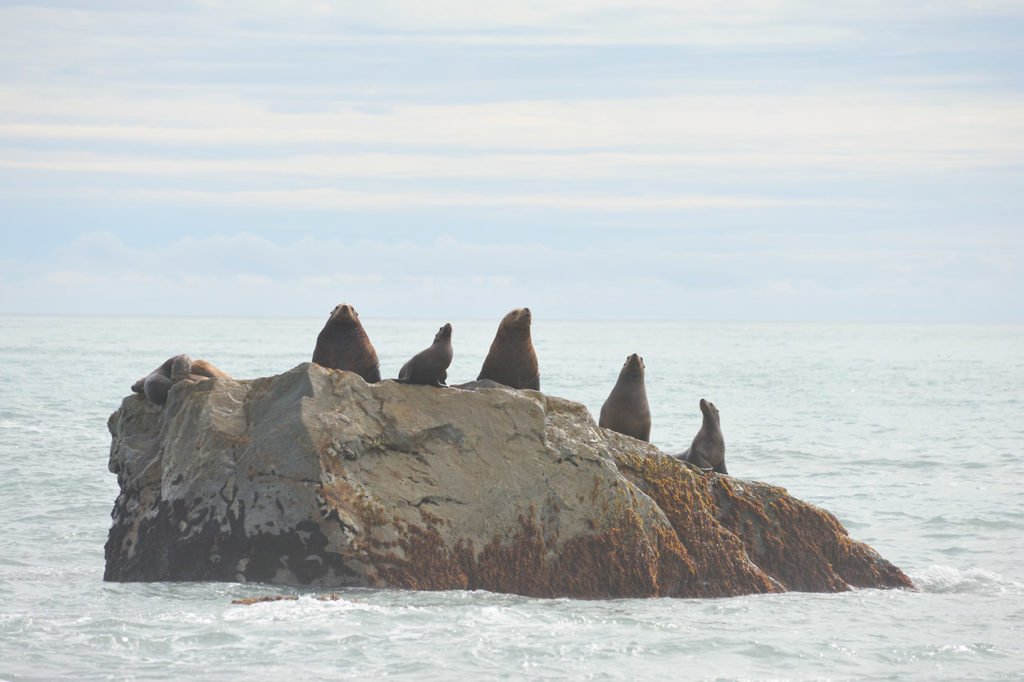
(314, 477)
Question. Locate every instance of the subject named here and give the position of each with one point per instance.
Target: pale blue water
(911, 434)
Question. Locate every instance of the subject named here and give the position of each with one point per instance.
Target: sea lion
(708, 448)
(626, 409)
(201, 368)
(343, 344)
(157, 384)
(430, 366)
(511, 360)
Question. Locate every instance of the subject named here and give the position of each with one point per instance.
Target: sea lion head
(517, 321)
(181, 367)
(444, 333)
(709, 410)
(343, 314)
(633, 367)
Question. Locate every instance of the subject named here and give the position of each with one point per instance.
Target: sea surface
(912, 435)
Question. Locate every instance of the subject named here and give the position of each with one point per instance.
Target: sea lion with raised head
(626, 409)
(157, 384)
(343, 344)
(511, 360)
(430, 366)
(708, 448)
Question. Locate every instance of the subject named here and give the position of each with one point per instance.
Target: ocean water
(911, 434)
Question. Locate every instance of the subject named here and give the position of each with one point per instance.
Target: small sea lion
(626, 409)
(157, 384)
(430, 366)
(708, 448)
(511, 360)
(343, 344)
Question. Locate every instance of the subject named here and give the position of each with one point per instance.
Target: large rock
(315, 477)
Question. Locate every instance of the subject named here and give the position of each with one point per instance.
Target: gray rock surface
(314, 477)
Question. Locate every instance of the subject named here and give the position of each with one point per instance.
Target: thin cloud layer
(653, 277)
(714, 160)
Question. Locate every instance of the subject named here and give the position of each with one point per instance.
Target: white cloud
(736, 22)
(210, 109)
(268, 170)
(865, 130)
(342, 200)
(244, 274)
(702, 22)
(156, 33)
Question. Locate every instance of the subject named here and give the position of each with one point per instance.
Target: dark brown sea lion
(626, 409)
(157, 384)
(511, 360)
(708, 448)
(430, 366)
(342, 344)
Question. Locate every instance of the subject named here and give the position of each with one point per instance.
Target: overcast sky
(713, 160)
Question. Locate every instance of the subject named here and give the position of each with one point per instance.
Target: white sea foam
(20, 426)
(950, 579)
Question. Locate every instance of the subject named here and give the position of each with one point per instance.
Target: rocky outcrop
(315, 477)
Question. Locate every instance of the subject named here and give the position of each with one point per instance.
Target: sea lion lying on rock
(430, 366)
(708, 448)
(626, 409)
(511, 360)
(157, 384)
(343, 344)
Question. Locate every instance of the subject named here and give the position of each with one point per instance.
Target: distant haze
(711, 160)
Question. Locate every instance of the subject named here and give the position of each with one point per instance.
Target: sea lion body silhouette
(511, 360)
(157, 384)
(430, 366)
(708, 447)
(343, 344)
(626, 409)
